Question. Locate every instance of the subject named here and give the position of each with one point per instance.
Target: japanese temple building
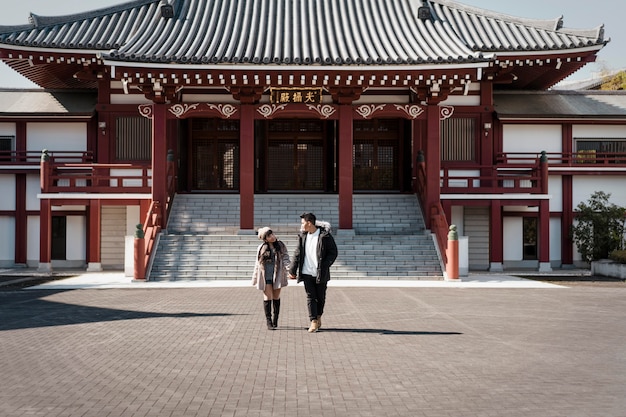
(150, 99)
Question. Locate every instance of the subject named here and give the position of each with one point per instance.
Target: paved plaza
(433, 350)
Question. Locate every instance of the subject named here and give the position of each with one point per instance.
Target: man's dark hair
(308, 217)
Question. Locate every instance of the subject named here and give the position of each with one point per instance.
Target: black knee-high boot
(267, 304)
(276, 312)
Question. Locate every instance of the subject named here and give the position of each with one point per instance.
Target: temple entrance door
(376, 155)
(214, 155)
(295, 156)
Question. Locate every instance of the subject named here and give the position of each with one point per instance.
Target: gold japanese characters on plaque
(295, 95)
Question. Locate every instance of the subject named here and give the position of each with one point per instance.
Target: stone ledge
(608, 268)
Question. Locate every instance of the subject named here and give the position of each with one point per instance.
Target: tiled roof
(560, 104)
(47, 102)
(297, 32)
(488, 31)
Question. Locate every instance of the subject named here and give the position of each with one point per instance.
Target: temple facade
(150, 99)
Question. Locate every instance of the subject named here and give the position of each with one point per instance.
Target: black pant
(315, 296)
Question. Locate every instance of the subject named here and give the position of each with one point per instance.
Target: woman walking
(270, 273)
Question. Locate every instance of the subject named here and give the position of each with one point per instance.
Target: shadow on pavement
(25, 310)
(374, 331)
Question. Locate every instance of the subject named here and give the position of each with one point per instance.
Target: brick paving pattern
(381, 352)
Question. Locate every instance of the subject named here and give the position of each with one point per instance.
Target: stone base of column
(45, 268)
(496, 267)
(94, 267)
(545, 267)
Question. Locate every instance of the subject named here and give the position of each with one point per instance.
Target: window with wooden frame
(458, 139)
(7, 144)
(133, 139)
(592, 150)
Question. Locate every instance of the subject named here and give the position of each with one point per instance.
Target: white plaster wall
(132, 219)
(33, 187)
(598, 131)
(462, 101)
(7, 243)
(7, 185)
(129, 99)
(531, 138)
(518, 209)
(555, 190)
(32, 246)
(7, 129)
(585, 186)
(513, 245)
(56, 136)
(76, 247)
(457, 219)
(555, 240)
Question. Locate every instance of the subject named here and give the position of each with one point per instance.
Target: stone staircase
(203, 240)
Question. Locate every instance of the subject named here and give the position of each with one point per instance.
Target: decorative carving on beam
(226, 110)
(145, 110)
(267, 110)
(445, 112)
(325, 110)
(179, 110)
(406, 111)
(413, 111)
(183, 111)
(367, 110)
(321, 111)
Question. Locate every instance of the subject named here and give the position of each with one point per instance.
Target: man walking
(312, 259)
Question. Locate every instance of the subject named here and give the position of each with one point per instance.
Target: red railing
(95, 178)
(34, 157)
(439, 226)
(151, 229)
(493, 180)
(574, 159)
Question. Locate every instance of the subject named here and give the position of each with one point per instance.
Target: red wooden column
(246, 168)
(567, 218)
(433, 160)
(346, 184)
(544, 236)
(159, 158)
(45, 236)
(94, 231)
(496, 257)
(21, 220)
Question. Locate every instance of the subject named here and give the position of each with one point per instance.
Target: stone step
(203, 240)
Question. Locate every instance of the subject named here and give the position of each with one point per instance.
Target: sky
(578, 14)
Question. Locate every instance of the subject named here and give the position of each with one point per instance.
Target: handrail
(151, 229)
(34, 157)
(172, 182)
(439, 226)
(94, 178)
(582, 157)
(493, 179)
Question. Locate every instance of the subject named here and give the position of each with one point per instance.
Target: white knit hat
(263, 232)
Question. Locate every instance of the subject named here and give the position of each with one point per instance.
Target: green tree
(599, 227)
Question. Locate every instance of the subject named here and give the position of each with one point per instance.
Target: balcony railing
(95, 178)
(34, 157)
(574, 159)
(493, 180)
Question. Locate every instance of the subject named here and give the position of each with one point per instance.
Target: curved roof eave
(487, 30)
(279, 67)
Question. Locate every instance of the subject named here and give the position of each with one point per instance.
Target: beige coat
(281, 275)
